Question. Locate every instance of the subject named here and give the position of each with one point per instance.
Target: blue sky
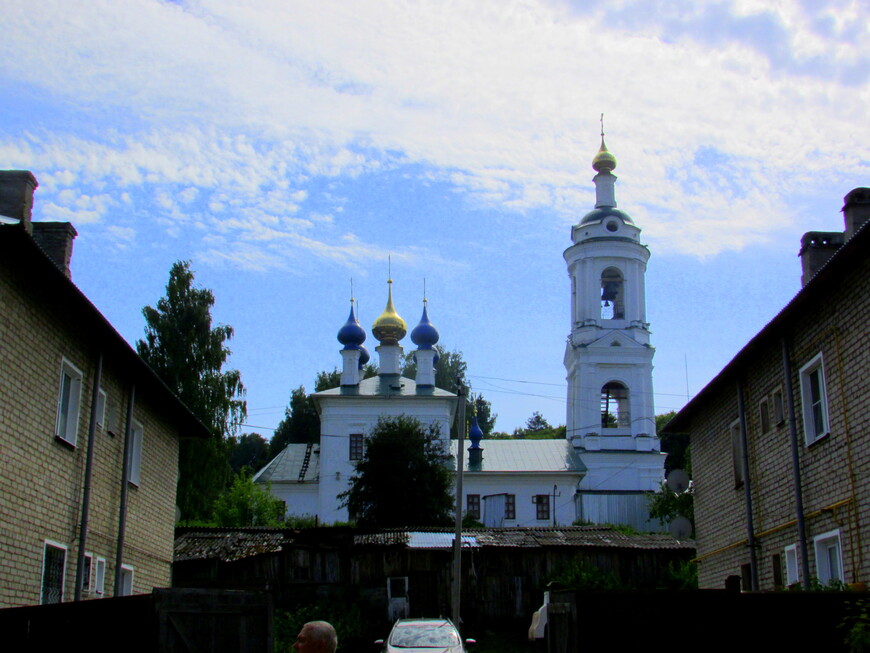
(287, 147)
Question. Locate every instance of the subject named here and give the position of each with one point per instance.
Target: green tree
(249, 450)
(676, 445)
(300, 423)
(327, 380)
(451, 370)
(538, 428)
(246, 503)
(403, 478)
(188, 354)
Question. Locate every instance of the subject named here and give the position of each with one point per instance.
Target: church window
(472, 505)
(510, 506)
(612, 226)
(542, 506)
(356, 446)
(615, 410)
(612, 295)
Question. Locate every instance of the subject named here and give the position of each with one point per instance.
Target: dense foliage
(403, 478)
(188, 354)
(246, 503)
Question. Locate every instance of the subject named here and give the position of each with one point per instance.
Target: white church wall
(524, 486)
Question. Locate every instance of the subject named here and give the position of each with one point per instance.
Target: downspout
(125, 473)
(89, 467)
(747, 489)
(795, 466)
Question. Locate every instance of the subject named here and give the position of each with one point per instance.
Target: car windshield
(437, 635)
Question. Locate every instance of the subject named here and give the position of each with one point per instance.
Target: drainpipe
(747, 489)
(457, 541)
(86, 495)
(125, 474)
(795, 466)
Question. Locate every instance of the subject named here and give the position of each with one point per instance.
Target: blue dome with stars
(425, 335)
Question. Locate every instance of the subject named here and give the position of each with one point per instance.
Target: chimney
(56, 240)
(16, 195)
(817, 247)
(856, 210)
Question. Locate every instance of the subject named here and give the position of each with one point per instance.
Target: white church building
(610, 460)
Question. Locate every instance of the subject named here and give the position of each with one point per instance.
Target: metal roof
(227, 544)
(557, 455)
(287, 465)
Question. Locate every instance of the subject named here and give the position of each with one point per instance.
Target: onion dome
(364, 356)
(425, 335)
(475, 434)
(604, 161)
(389, 328)
(351, 335)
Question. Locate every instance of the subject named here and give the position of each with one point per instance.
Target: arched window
(612, 295)
(615, 409)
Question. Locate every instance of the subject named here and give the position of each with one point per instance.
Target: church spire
(604, 163)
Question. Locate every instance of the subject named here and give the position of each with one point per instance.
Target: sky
(285, 148)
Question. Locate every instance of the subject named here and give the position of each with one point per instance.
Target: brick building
(781, 437)
(88, 433)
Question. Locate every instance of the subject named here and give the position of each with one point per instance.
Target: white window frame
(811, 434)
(134, 461)
(102, 401)
(55, 545)
(99, 577)
(824, 545)
(792, 565)
(66, 426)
(127, 577)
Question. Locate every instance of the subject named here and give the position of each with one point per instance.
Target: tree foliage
(249, 450)
(246, 503)
(403, 478)
(300, 423)
(538, 428)
(188, 354)
(451, 370)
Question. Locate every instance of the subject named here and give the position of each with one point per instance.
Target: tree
(538, 428)
(326, 380)
(188, 354)
(300, 423)
(403, 478)
(249, 450)
(247, 504)
(666, 504)
(450, 371)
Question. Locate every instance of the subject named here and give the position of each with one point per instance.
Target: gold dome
(604, 161)
(389, 328)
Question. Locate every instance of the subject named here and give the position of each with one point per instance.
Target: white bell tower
(608, 358)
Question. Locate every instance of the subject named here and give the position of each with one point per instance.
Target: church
(610, 460)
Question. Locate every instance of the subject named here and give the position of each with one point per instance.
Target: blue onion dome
(604, 161)
(364, 356)
(424, 335)
(351, 335)
(475, 434)
(389, 328)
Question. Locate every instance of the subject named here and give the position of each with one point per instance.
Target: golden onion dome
(389, 328)
(604, 161)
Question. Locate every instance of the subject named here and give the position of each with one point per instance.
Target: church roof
(288, 465)
(385, 385)
(555, 455)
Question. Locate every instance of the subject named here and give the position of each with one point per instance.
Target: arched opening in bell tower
(615, 409)
(612, 295)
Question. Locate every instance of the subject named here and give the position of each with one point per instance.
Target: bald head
(316, 637)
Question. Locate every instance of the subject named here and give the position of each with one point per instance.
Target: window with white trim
(102, 400)
(100, 577)
(134, 460)
(53, 572)
(814, 399)
(829, 557)
(126, 580)
(68, 403)
(792, 571)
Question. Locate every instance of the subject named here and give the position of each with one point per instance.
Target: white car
(424, 636)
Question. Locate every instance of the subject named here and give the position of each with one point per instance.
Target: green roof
(385, 385)
(557, 455)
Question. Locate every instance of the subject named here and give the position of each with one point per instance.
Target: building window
(746, 577)
(814, 399)
(126, 580)
(615, 411)
(68, 402)
(542, 506)
(612, 297)
(134, 459)
(776, 567)
(102, 398)
(737, 453)
(829, 558)
(472, 505)
(356, 446)
(764, 415)
(792, 573)
(778, 407)
(87, 576)
(100, 577)
(510, 506)
(53, 572)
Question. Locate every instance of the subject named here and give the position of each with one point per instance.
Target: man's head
(316, 637)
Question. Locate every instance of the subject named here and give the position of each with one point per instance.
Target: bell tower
(608, 359)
